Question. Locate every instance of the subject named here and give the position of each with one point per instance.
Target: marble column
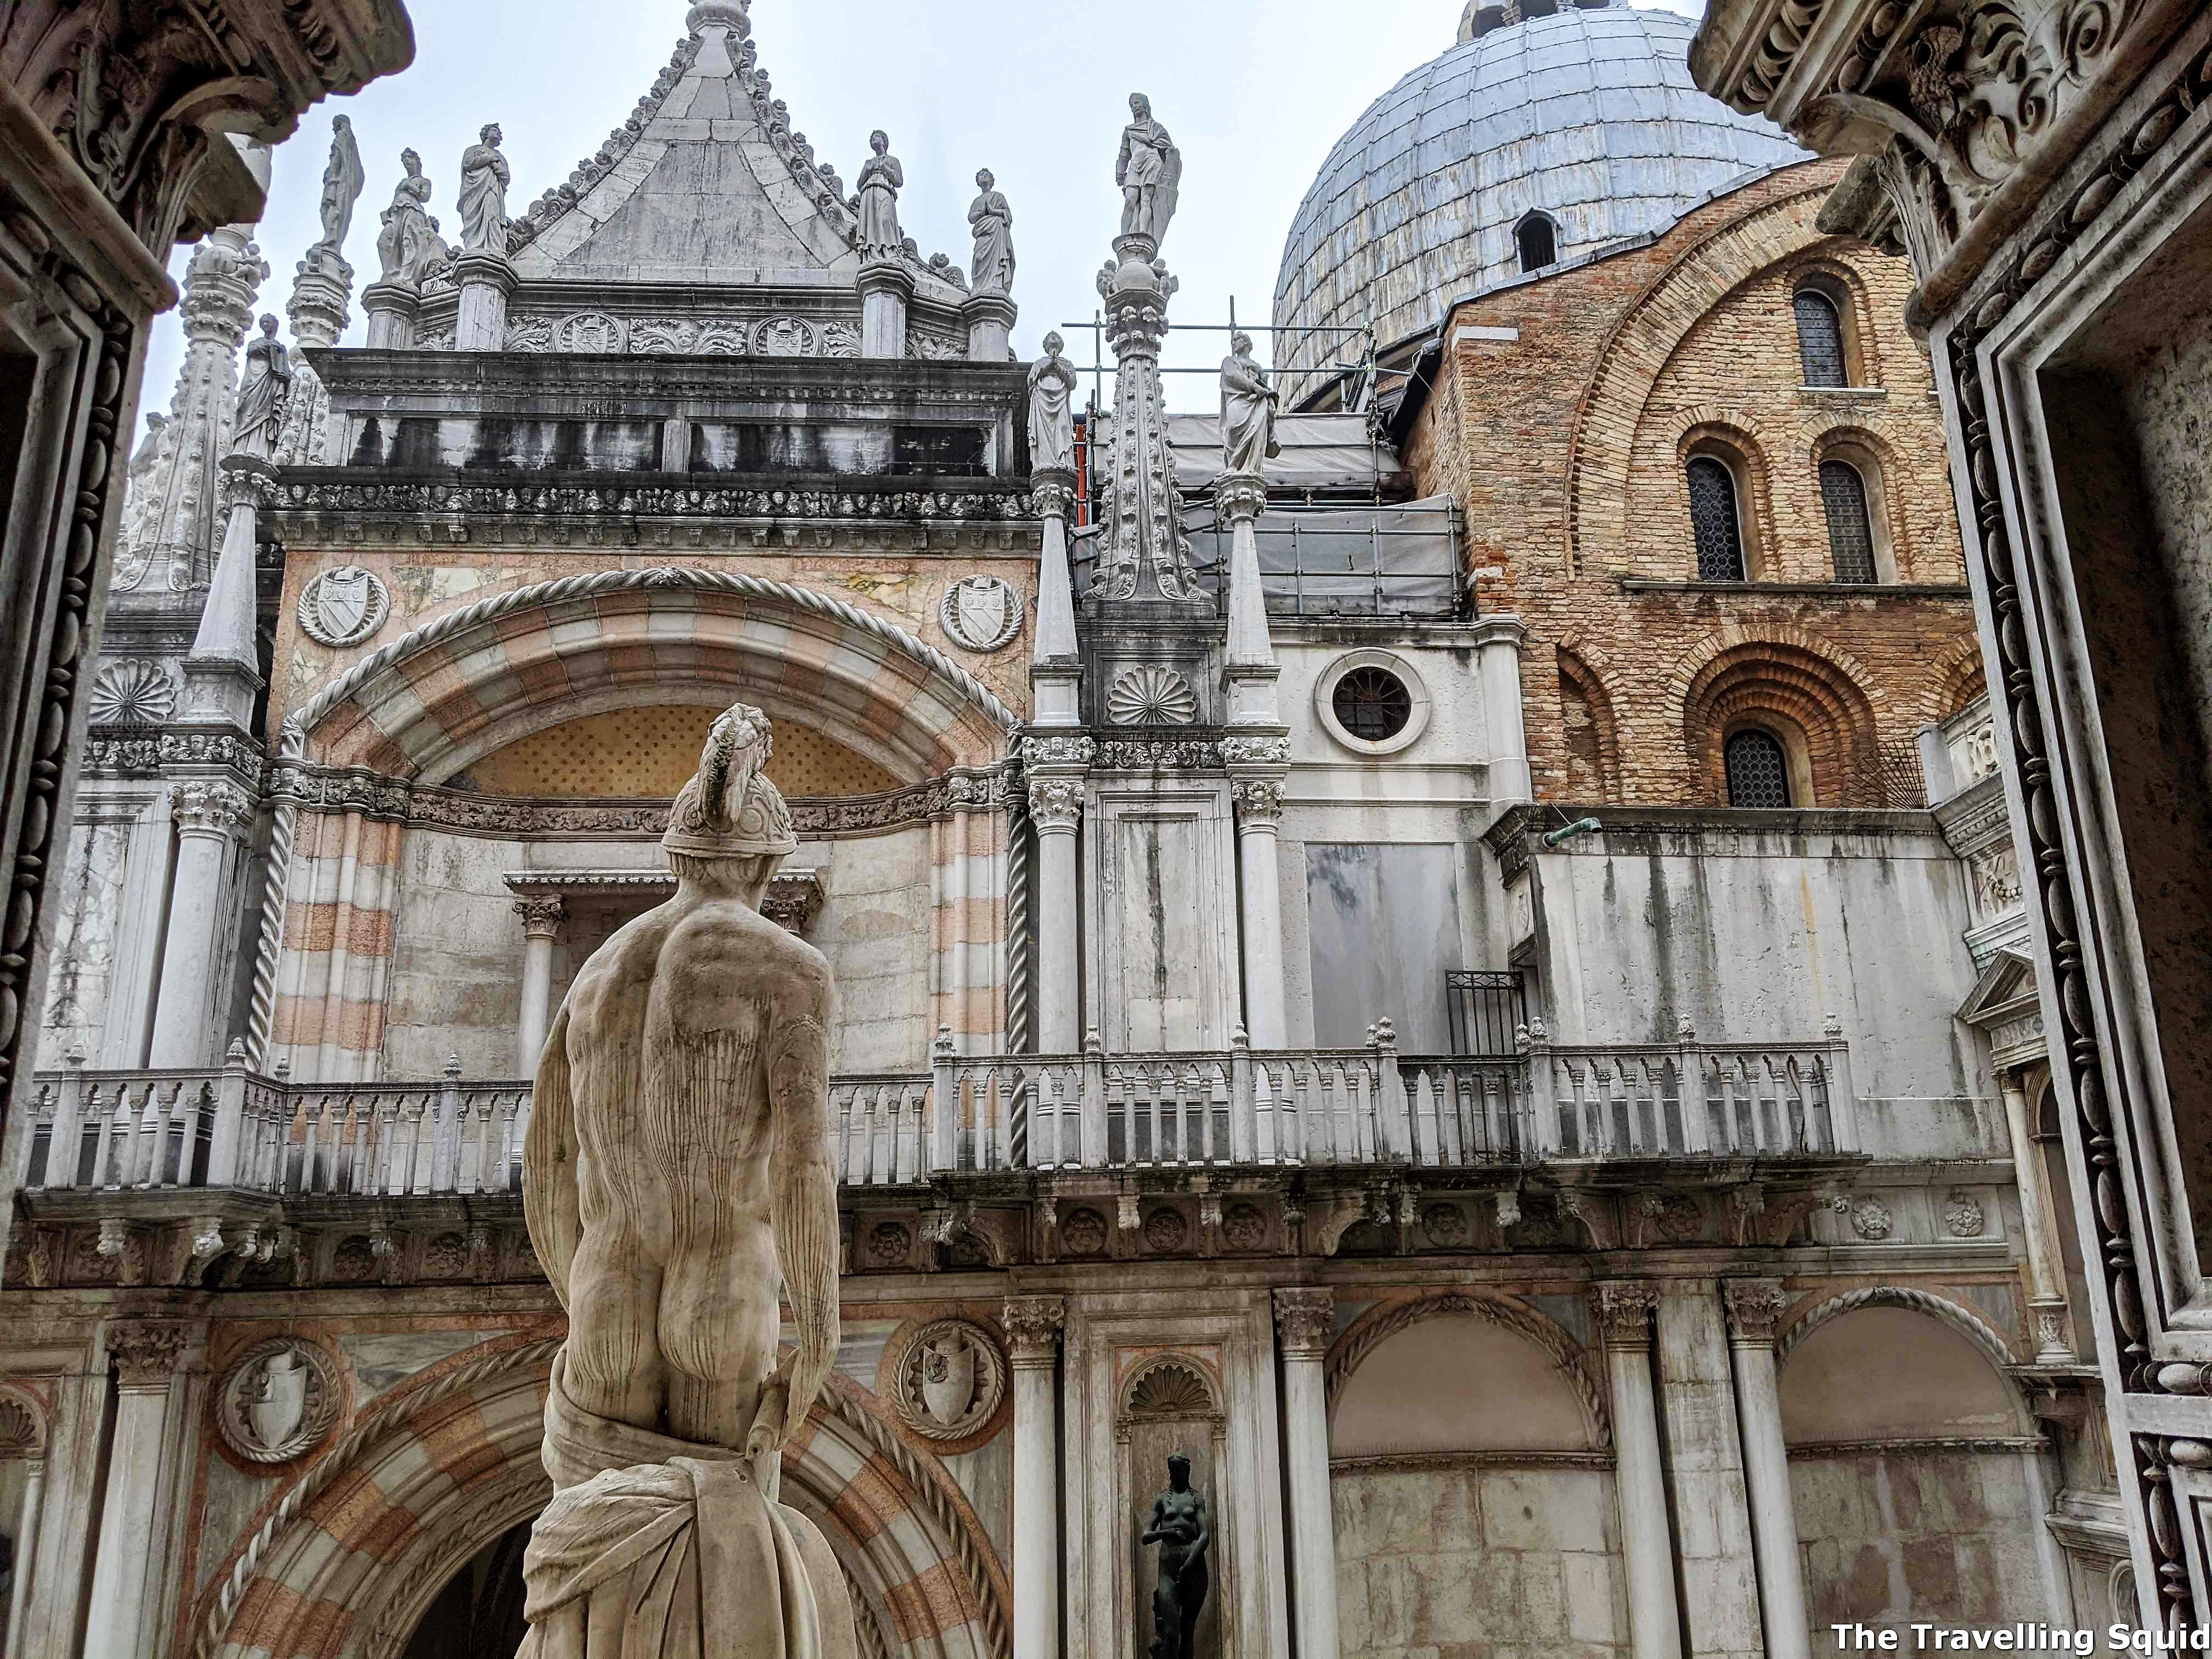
(1056, 811)
(541, 926)
(486, 280)
(187, 1021)
(1755, 1306)
(26, 1552)
(134, 1525)
(1623, 1308)
(1259, 814)
(885, 286)
(1033, 1325)
(2046, 1271)
(1497, 645)
(390, 307)
(1305, 1323)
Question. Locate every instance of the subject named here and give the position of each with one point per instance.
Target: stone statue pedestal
(885, 286)
(990, 319)
(486, 280)
(392, 307)
(1138, 248)
(320, 294)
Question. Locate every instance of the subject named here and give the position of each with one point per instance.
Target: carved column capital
(1259, 801)
(1053, 489)
(1755, 1307)
(1305, 1321)
(1240, 497)
(1056, 804)
(1033, 1325)
(147, 1352)
(541, 917)
(208, 807)
(1623, 1308)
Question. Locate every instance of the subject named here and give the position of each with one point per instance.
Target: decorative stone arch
(1960, 1318)
(1822, 269)
(1602, 447)
(1816, 691)
(1378, 1325)
(1584, 666)
(1958, 677)
(475, 679)
(1738, 440)
(356, 1551)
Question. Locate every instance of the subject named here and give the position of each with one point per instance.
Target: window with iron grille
(1538, 242)
(1373, 704)
(1487, 1006)
(1714, 520)
(1757, 769)
(1850, 527)
(1820, 339)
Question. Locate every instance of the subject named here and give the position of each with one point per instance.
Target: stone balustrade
(95, 1132)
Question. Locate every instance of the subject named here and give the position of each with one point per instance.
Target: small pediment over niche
(2004, 1005)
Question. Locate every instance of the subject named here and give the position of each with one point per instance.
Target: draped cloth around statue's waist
(655, 1548)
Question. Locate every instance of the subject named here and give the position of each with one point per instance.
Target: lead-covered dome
(1585, 117)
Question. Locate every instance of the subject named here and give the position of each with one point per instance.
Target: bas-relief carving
(681, 1125)
(980, 614)
(1151, 696)
(951, 1378)
(343, 607)
(277, 1400)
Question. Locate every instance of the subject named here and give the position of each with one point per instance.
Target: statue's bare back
(677, 1161)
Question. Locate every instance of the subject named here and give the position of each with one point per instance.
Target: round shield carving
(950, 1379)
(343, 606)
(279, 1399)
(981, 613)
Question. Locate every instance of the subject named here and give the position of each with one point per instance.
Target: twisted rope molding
(1379, 1325)
(1965, 1320)
(1018, 948)
(268, 947)
(673, 578)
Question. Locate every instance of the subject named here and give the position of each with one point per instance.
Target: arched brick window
(1758, 769)
(1851, 527)
(1820, 339)
(1538, 240)
(1716, 519)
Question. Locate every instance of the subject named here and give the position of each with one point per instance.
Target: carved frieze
(412, 500)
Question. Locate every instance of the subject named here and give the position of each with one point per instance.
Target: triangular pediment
(705, 184)
(2005, 983)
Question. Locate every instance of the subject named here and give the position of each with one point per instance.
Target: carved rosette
(147, 1352)
(1755, 1307)
(1056, 804)
(541, 917)
(1033, 1326)
(1623, 1308)
(1305, 1321)
(1259, 801)
(209, 808)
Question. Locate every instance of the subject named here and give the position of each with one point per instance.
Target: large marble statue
(1248, 403)
(676, 1176)
(882, 178)
(1149, 173)
(1184, 1533)
(1052, 409)
(264, 390)
(343, 178)
(991, 270)
(485, 176)
(408, 245)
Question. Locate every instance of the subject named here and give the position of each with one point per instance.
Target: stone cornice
(142, 750)
(1716, 831)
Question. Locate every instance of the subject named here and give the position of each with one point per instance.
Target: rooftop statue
(408, 245)
(263, 390)
(676, 1176)
(343, 178)
(1248, 405)
(1184, 1533)
(882, 178)
(485, 176)
(992, 268)
(1052, 409)
(1149, 172)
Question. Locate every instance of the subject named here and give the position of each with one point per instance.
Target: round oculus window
(1372, 704)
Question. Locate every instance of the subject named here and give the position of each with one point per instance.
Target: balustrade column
(1305, 1321)
(186, 1023)
(2046, 1277)
(1754, 1308)
(1033, 1326)
(1624, 1316)
(1055, 810)
(142, 1465)
(541, 926)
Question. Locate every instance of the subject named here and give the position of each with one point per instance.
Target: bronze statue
(1180, 1526)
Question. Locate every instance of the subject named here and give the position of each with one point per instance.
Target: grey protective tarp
(1320, 452)
(1368, 561)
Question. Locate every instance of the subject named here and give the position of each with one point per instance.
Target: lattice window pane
(1758, 770)
(1850, 528)
(1820, 340)
(1713, 518)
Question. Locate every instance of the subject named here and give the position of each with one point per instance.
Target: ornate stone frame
(1390, 662)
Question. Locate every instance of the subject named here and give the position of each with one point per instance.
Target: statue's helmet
(730, 810)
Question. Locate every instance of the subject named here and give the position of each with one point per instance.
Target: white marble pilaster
(2046, 1274)
(1305, 1323)
(1055, 811)
(1259, 815)
(1497, 645)
(1033, 1326)
(209, 815)
(541, 926)
(1623, 1317)
(1754, 1308)
(135, 1541)
(486, 280)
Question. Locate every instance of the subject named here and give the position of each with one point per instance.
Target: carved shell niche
(133, 692)
(1152, 696)
(1171, 1388)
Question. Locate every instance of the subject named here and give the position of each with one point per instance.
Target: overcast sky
(1256, 92)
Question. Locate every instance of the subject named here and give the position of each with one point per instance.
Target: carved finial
(1239, 1037)
(452, 1066)
(1832, 1028)
(1386, 1033)
(1093, 1042)
(729, 14)
(1686, 1030)
(944, 1043)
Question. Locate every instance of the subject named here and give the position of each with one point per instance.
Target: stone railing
(1369, 1107)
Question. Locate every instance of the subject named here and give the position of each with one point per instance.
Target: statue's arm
(1122, 162)
(803, 1188)
(550, 1202)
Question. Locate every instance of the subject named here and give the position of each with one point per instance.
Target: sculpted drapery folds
(678, 1166)
(1248, 411)
(993, 222)
(485, 176)
(1149, 173)
(882, 178)
(1052, 409)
